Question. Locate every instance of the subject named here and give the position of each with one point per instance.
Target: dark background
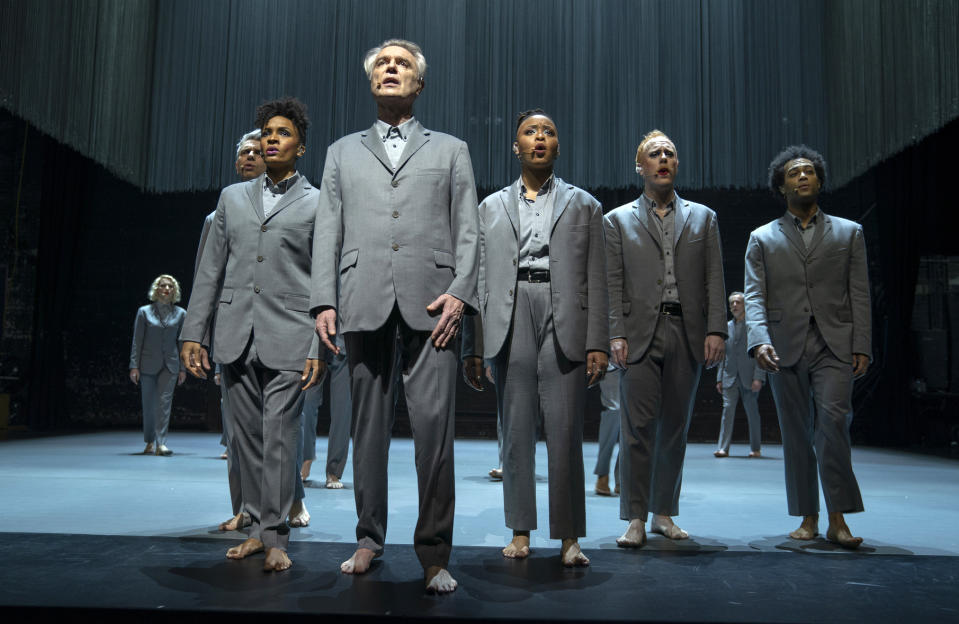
(119, 121)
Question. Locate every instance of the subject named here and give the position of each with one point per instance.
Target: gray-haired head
(252, 135)
(413, 49)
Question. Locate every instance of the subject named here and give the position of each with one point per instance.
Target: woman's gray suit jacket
(577, 264)
(263, 264)
(155, 340)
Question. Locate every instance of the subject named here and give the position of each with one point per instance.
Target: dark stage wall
(81, 248)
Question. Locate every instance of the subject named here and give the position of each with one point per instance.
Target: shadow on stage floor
(187, 579)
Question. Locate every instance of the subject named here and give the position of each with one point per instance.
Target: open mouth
(663, 172)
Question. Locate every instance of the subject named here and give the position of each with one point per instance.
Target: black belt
(533, 275)
(670, 308)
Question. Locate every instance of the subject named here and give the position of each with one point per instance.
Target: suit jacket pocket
(444, 259)
(432, 172)
(297, 303)
(226, 295)
(348, 259)
(774, 316)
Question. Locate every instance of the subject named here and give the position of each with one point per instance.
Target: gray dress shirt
(272, 193)
(534, 220)
(807, 233)
(394, 138)
(666, 226)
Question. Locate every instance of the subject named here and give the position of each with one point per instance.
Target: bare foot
(149, 449)
(571, 554)
(299, 516)
(439, 580)
(359, 562)
(755, 454)
(635, 535)
(237, 522)
(223, 455)
(720, 453)
(276, 560)
(808, 529)
(496, 474)
(333, 482)
(519, 547)
(839, 533)
(664, 526)
(602, 486)
(305, 469)
(249, 547)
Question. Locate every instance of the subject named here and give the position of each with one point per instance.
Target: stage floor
(89, 522)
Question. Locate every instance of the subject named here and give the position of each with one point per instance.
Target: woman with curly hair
(154, 361)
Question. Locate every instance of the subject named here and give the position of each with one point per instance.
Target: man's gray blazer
(786, 284)
(577, 262)
(265, 277)
(408, 235)
(636, 280)
(737, 364)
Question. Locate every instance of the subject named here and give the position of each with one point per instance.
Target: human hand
(767, 358)
(473, 372)
(756, 385)
(860, 364)
(714, 350)
(619, 351)
(451, 311)
(135, 376)
(195, 359)
(326, 329)
(180, 378)
(313, 371)
(596, 364)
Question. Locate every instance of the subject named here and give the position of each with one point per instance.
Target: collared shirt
(273, 193)
(806, 233)
(394, 138)
(666, 226)
(534, 219)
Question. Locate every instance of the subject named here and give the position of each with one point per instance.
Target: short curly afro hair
(288, 107)
(777, 173)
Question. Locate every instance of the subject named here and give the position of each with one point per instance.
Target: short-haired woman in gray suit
(544, 310)
(154, 359)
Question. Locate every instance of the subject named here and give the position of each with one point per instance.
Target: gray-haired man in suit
(255, 275)
(398, 228)
(809, 320)
(667, 318)
(739, 376)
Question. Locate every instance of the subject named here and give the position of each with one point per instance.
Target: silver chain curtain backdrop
(158, 91)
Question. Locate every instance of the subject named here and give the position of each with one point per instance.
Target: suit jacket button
(263, 228)
(256, 289)
(510, 292)
(659, 282)
(514, 261)
(259, 258)
(395, 183)
(396, 214)
(396, 247)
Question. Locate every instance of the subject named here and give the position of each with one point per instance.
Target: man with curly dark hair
(808, 319)
(255, 274)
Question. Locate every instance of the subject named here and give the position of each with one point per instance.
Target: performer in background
(341, 411)
(544, 325)
(667, 317)
(610, 422)
(737, 376)
(153, 362)
(809, 321)
(255, 273)
(397, 230)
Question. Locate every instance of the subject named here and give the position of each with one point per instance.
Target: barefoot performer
(667, 318)
(810, 323)
(255, 273)
(397, 230)
(542, 281)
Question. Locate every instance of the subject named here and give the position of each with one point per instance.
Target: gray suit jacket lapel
(371, 140)
(563, 197)
(419, 136)
(509, 205)
(789, 230)
(296, 192)
(823, 227)
(639, 211)
(682, 215)
(255, 189)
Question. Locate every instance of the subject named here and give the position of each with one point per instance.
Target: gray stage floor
(99, 484)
